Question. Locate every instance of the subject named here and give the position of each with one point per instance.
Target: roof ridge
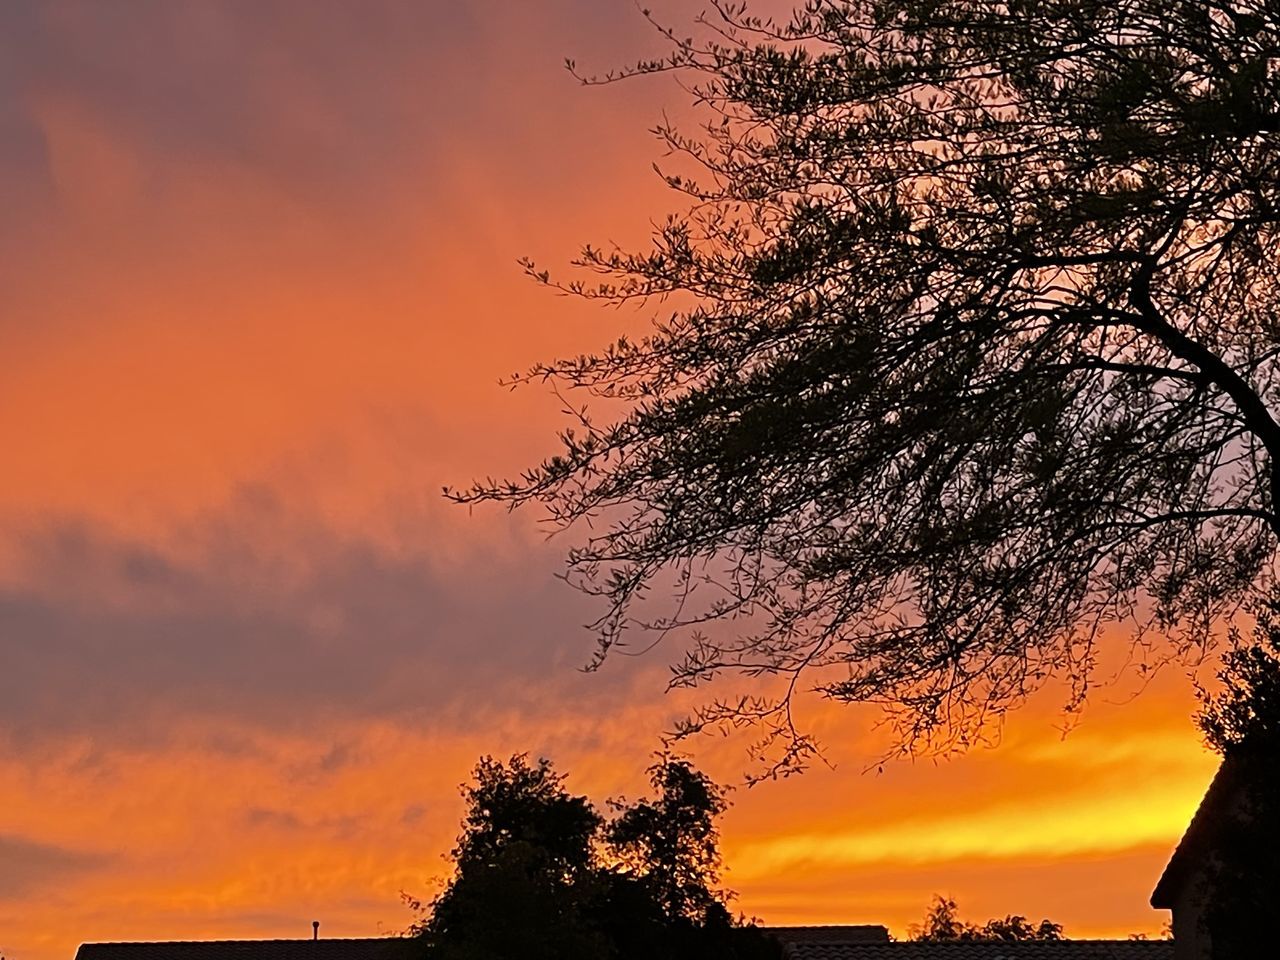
(134, 943)
(1222, 782)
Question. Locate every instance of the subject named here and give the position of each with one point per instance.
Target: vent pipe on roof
(315, 929)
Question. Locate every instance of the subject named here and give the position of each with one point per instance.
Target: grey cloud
(345, 827)
(324, 90)
(266, 622)
(26, 865)
(337, 757)
(413, 814)
(265, 817)
(324, 95)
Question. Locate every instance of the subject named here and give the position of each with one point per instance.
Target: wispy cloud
(28, 867)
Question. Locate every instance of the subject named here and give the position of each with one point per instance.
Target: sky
(258, 284)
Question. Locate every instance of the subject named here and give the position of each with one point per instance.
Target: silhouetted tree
(671, 842)
(1242, 723)
(522, 802)
(539, 874)
(943, 924)
(973, 353)
(524, 870)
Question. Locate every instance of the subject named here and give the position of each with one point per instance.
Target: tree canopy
(972, 355)
(538, 872)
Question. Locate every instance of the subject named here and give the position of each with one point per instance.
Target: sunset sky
(258, 284)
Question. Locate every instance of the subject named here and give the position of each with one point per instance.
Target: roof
(1191, 849)
(831, 933)
(867, 942)
(1050, 950)
(391, 948)
(369, 948)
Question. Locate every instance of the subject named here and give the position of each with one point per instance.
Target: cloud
(27, 866)
(343, 104)
(261, 617)
(324, 94)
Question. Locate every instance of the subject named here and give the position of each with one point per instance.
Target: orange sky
(257, 284)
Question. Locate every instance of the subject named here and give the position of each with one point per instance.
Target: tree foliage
(973, 355)
(539, 873)
(942, 924)
(1243, 718)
